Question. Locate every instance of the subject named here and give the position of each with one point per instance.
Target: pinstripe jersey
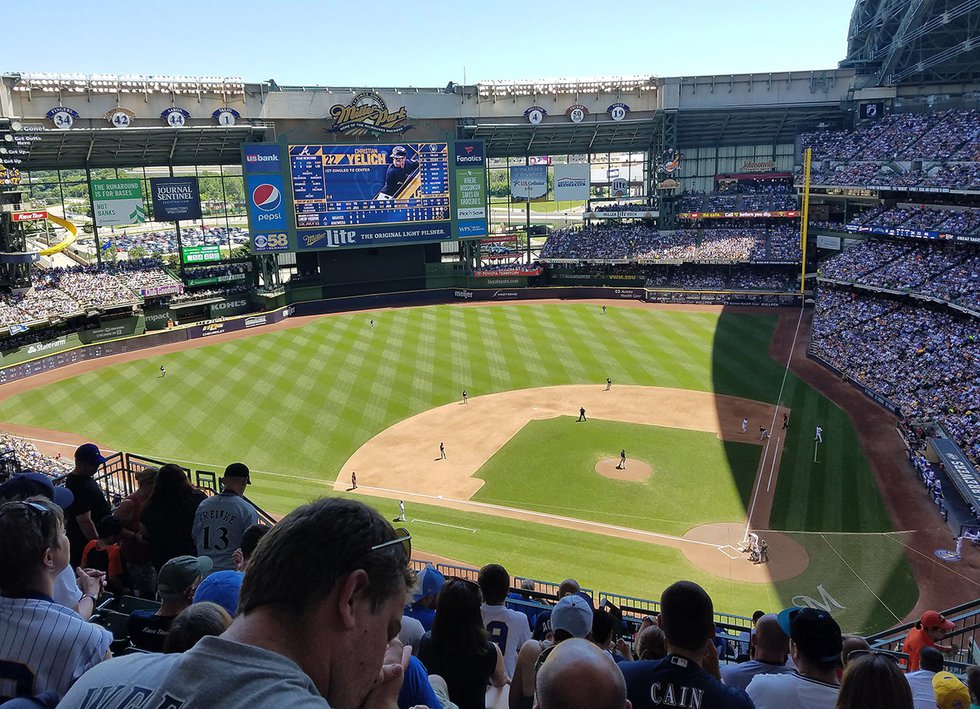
(45, 647)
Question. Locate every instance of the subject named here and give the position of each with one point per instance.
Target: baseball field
(524, 482)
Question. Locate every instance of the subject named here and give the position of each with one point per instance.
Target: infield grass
(295, 404)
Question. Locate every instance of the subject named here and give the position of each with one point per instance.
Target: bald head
(850, 643)
(771, 644)
(578, 675)
(568, 586)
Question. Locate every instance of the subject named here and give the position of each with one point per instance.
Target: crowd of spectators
(952, 135)
(628, 207)
(750, 197)
(944, 271)
(695, 277)
(961, 176)
(950, 221)
(28, 457)
(635, 243)
(240, 624)
(924, 359)
(64, 292)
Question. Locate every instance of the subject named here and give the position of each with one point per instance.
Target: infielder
(465, 396)
(818, 436)
(608, 383)
(401, 511)
(745, 425)
(353, 480)
(442, 450)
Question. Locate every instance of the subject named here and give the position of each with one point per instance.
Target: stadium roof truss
(770, 125)
(915, 41)
(505, 140)
(109, 147)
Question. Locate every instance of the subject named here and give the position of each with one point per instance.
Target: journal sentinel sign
(175, 199)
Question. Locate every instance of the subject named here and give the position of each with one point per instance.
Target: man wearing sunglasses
(44, 646)
(320, 603)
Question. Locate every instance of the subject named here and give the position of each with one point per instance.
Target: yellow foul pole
(805, 213)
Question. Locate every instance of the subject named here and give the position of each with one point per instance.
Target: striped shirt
(45, 647)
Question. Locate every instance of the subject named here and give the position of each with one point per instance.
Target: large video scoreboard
(327, 196)
(346, 185)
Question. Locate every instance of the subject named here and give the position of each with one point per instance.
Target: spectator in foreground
(579, 675)
(89, 505)
(176, 584)
(458, 648)
(221, 520)
(815, 646)
(874, 681)
(950, 692)
(508, 629)
(168, 516)
(973, 684)
(78, 590)
(650, 644)
(920, 681)
(928, 631)
(44, 646)
(103, 553)
(224, 587)
(770, 652)
(193, 623)
(425, 595)
(135, 551)
(321, 600)
(571, 617)
(689, 674)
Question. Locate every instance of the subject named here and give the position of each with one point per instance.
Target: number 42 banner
(118, 202)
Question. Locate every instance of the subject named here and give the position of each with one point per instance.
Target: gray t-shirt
(741, 674)
(219, 524)
(792, 690)
(214, 673)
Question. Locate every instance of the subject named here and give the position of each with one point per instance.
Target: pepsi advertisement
(175, 199)
(369, 185)
(265, 197)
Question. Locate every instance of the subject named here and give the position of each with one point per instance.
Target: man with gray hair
(579, 675)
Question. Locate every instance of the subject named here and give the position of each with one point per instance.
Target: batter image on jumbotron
(348, 185)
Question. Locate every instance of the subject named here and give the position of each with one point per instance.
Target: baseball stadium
(623, 330)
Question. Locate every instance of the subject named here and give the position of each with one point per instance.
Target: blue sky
(383, 43)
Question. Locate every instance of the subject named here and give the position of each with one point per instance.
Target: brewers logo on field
(367, 114)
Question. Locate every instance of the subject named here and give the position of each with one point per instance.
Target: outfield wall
(70, 349)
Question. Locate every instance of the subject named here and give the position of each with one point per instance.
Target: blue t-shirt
(675, 681)
(423, 615)
(416, 688)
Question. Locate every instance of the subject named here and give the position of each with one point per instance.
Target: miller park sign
(367, 114)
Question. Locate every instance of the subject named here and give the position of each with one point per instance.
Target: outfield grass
(295, 404)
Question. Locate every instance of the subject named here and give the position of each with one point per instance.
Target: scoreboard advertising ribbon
(471, 188)
(175, 199)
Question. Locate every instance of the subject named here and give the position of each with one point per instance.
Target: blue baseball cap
(89, 454)
(429, 583)
(26, 485)
(223, 588)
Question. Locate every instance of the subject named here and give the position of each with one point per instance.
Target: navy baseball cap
(27, 485)
(238, 470)
(814, 631)
(398, 151)
(90, 454)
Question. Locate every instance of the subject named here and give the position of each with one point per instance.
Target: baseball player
(785, 422)
(763, 433)
(163, 371)
(442, 450)
(353, 480)
(745, 425)
(603, 309)
(622, 460)
(372, 323)
(401, 511)
(608, 383)
(465, 396)
(399, 172)
(581, 414)
(818, 436)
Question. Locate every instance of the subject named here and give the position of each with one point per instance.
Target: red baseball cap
(932, 619)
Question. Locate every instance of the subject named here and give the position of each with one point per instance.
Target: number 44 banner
(118, 202)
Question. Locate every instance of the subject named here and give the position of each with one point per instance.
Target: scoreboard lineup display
(363, 185)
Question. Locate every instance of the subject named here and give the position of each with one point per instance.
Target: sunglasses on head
(403, 537)
(855, 654)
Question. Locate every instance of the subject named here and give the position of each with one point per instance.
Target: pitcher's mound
(635, 470)
(787, 559)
